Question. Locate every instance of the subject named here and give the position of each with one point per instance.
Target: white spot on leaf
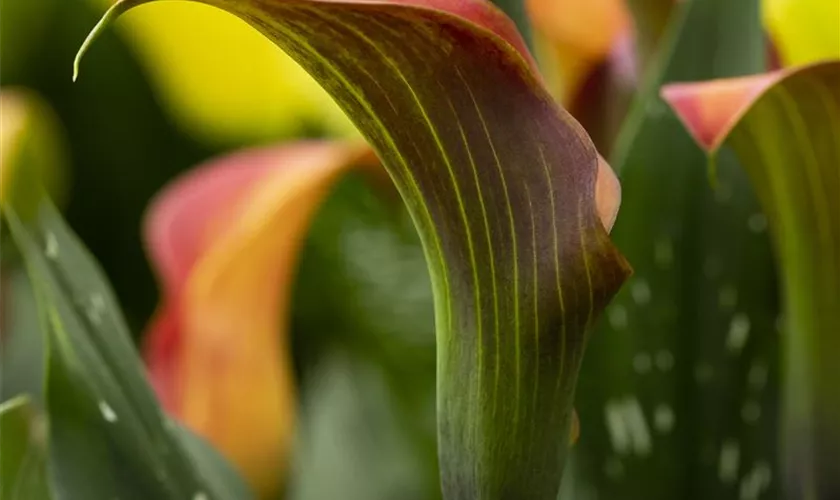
(627, 427)
(617, 316)
(729, 461)
(200, 495)
(739, 332)
(663, 418)
(50, 246)
(107, 412)
(95, 308)
(756, 481)
(640, 292)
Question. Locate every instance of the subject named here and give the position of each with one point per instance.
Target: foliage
(339, 329)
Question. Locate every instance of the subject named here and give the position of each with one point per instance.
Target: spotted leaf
(785, 128)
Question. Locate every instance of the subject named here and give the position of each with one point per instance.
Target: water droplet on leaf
(739, 332)
(50, 246)
(729, 461)
(663, 418)
(640, 290)
(107, 412)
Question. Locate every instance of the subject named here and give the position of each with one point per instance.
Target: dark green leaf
(22, 359)
(677, 393)
(108, 437)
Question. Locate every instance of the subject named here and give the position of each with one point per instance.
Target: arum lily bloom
(501, 184)
(785, 127)
(225, 240)
(199, 369)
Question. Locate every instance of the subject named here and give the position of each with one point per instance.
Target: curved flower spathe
(501, 184)
(785, 128)
(225, 240)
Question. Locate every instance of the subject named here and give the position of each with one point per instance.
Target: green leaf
(500, 183)
(108, 437)
(22, 344)
(785, 128)
(688, 349)
(23, 474)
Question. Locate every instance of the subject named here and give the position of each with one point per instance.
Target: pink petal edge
(711, 109)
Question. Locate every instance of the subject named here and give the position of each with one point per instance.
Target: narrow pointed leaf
(690, 342)
(23, 472)
(501, 184)
(785, 128)
(108, 438)
(226, 239)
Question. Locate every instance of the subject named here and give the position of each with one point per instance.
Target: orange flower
(225, 240)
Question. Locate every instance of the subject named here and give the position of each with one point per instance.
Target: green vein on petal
(500, 182)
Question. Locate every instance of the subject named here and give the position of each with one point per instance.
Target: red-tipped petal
(710, 109)
(227, 238)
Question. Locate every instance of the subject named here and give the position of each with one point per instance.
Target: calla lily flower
(508, 195)
(784, 128)
(224, 240)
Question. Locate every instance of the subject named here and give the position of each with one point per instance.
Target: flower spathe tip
(709, 110)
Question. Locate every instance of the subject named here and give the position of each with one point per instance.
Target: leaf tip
(112, 13)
